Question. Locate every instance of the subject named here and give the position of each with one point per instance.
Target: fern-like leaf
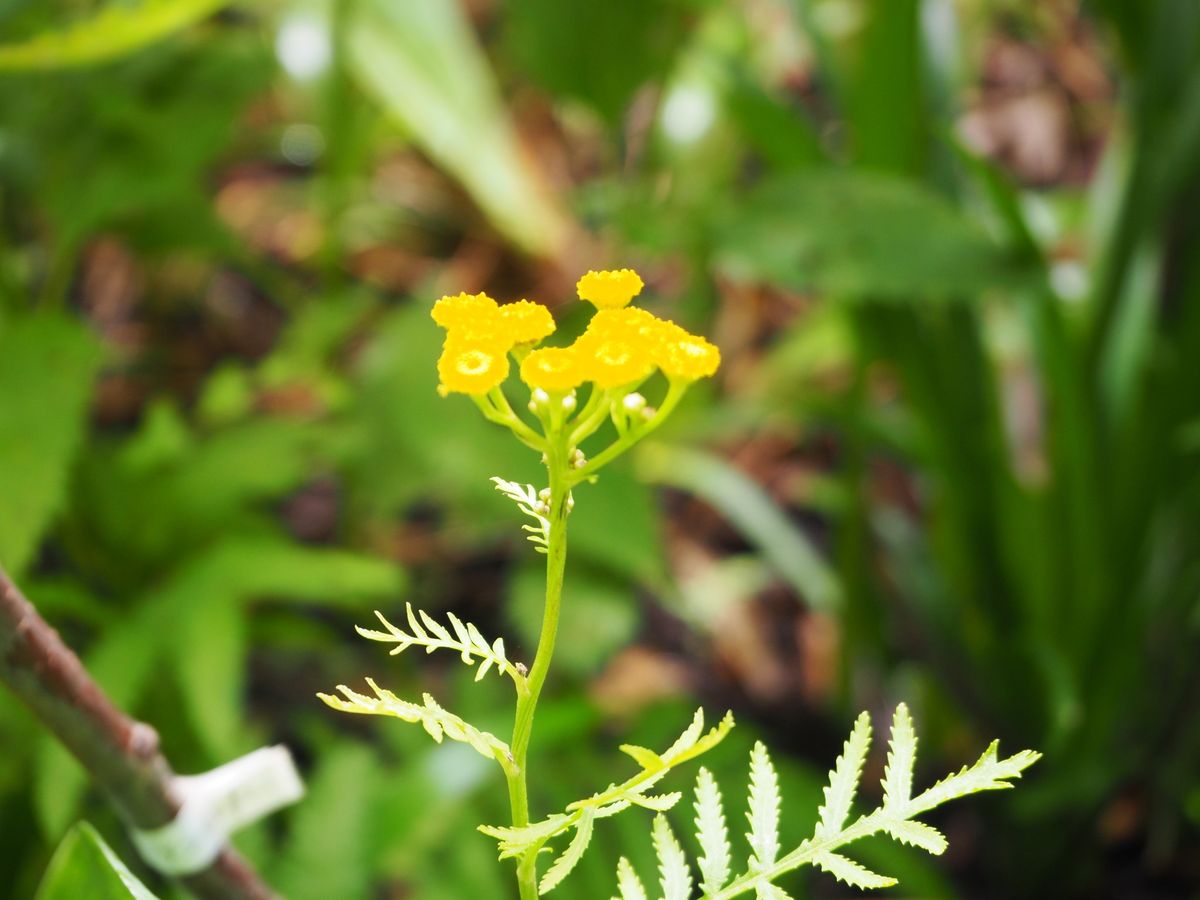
(425, 631)
(629, 886)
(711, 833)
(438, 722)
(902, 755)
(561, 867)
(527, 500)
(674, 874)
(843, 780)
(896, 817)
(763, 812)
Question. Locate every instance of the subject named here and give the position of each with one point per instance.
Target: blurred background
(949, 249)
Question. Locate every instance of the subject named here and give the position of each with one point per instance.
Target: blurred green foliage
(220, 447)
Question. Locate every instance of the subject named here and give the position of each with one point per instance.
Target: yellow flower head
(609, 290)
(553, 369)
(525, 322)
(613, 361)
(688, 357)
(465, 312)
(632, 324)
(471, 366)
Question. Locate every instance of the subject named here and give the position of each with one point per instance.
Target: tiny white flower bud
(649, 413)
(568, 402)
(544, 495)
(634, 402)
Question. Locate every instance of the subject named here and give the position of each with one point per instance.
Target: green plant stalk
(527, 699)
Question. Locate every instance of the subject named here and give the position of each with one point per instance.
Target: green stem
(674, 393)
(556, 560)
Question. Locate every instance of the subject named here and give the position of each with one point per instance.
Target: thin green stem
(674, 393)
(556, 560)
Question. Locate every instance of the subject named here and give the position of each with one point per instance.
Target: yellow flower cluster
(622, 345)
(479, 335)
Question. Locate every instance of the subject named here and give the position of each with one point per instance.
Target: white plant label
(218, 803)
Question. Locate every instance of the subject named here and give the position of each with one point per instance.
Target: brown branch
(120, 753)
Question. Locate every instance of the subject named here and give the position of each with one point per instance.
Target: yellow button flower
(613, 361)
(466, 312)
(470, 366)
(688, 357)
(553, 369)
(525, 322)
(609, 289)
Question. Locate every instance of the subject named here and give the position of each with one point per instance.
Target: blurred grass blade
(421, 61)
(752, 512)
(86, 867)
(115, 31)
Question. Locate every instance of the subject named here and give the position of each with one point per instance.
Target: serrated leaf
(47, 363)
(711, 833)
(570, 857)
(843, 780)
(656, 802)
(918, 834)
(763, 812)
(902, 755)
(674, 874)
(628, 884)
(768, 891)
(847, 870)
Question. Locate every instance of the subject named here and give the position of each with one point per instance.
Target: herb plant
(621, 350)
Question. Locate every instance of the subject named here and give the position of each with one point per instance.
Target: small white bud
(578, 460)
(540, 397)
(570, 502)
(649, 413)
(568, 402)
(634, 402)
(544, 495)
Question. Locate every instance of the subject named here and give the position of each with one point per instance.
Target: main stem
(556, 560)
